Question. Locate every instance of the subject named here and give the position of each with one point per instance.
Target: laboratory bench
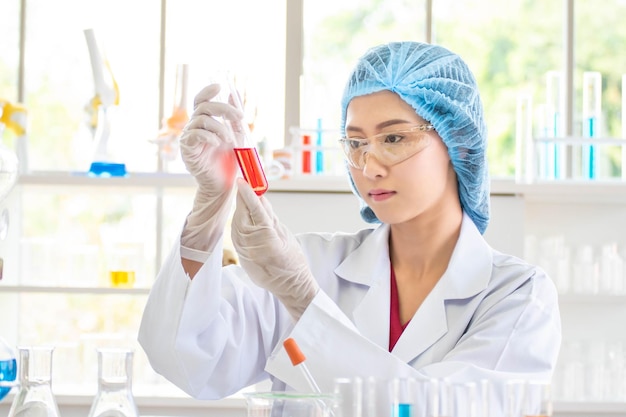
(548, 223)
(78, 406)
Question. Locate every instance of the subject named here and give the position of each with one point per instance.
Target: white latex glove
(269, 253)
(206, 146)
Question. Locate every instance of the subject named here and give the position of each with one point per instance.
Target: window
(68, 231)
(596, 49)
(509, 46)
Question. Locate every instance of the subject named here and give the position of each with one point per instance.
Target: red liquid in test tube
(306, 155)
(247, 155)
(251, 169)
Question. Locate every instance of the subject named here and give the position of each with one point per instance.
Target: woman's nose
(373, 168)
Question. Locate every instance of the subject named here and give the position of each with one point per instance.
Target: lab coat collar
(368, 265)
(365, 265)
(468, 273)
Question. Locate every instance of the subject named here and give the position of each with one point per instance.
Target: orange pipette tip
(294, 352)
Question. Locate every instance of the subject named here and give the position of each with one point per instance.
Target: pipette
(297, 360)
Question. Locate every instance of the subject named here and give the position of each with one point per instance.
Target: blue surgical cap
(440, 87)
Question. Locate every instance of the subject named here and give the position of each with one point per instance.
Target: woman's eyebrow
(380, 125)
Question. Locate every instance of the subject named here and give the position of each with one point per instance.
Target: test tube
(555, 102)
(592, 96)
(403, 391)
(245, 151)
(319, 154)
(624, 127)
(537, 399)
(540, 128)
(306, 154)
(524, 149)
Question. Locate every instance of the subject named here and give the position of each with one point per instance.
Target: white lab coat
(490, 315)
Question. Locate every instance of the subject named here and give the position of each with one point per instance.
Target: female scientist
(420, 294)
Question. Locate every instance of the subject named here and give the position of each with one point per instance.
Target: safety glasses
(389, 148)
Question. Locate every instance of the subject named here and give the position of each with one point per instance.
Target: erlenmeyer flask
(114, 397)
(8, 368)
(35, 398)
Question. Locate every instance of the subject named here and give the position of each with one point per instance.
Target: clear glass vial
(114, 397)
(35, 398)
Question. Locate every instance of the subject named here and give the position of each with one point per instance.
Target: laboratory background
(92, 188)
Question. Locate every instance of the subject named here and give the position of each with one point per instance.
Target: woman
(420, 294)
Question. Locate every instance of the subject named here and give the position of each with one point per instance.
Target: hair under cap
(440, 87)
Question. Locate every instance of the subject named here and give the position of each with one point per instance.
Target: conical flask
(35, 398)
(114, 397)
(8, 368)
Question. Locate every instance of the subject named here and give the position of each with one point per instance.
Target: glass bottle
(8, 368)
(35, 398)
(114, 397)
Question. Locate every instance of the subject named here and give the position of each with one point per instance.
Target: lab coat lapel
(369, 265)
(468, 274)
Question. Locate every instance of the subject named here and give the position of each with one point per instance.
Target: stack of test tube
(545, 151)
(315, 152)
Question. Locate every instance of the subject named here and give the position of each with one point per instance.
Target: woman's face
(423, 185)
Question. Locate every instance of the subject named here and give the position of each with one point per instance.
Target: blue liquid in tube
(8, 373)
(319, 155)
(589, 153)
(556, 163)
(403, 410)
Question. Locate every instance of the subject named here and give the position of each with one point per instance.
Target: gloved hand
(206, 146)
(269, 253)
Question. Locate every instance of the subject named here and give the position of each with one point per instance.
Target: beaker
(114, 397)
(291, 404)
(35, 398)
(8, 368)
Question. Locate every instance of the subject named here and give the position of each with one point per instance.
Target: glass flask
(35, 398)
(292, 404)
(8, 368)
(114, 397)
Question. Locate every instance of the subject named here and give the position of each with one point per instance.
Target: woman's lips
(381, 195)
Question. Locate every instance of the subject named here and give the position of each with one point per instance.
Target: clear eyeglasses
(389, 148)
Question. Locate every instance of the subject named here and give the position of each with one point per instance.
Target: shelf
(603, 299)
(301, 183)
(577, 140)
(133, 179)
(71, 290)
(591, 191)
(565, 191)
